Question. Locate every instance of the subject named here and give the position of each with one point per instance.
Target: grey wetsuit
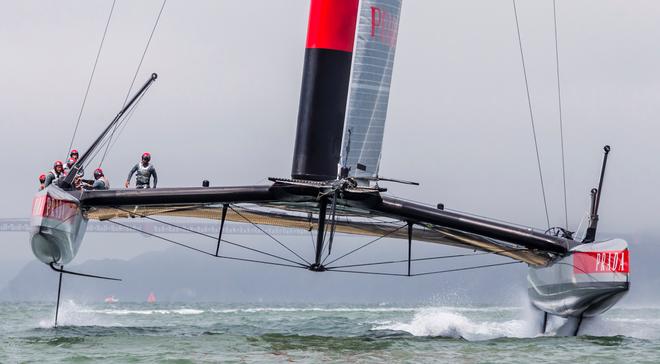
(143, 175)
(99, 184)
(51, 177)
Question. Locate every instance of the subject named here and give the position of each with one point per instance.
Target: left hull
(57, 226)
(587, 282)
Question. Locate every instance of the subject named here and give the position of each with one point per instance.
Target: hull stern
(57, 226)
(587, 282)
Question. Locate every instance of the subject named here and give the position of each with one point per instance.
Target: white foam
(355, 309)
(440, 321)
(74, 314)
(182, 311)
(311, 309)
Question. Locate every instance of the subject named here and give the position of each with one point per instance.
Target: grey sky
(225, 105)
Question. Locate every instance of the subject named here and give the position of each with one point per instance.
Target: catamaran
(334, 185)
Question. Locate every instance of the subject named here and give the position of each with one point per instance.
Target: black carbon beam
(222, 225)
(406, 210)
(179, 195)
(317, 266)
(333, 222)
(410, 232)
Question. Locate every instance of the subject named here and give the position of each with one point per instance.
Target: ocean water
(206, 333)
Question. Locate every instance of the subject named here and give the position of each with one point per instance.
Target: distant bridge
(211, 228)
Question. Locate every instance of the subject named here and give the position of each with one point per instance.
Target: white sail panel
(371, 73)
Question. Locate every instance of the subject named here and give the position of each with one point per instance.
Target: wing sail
(371, 74)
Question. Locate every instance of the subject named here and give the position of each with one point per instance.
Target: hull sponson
(588, 281)
(324, 90)
(57, 226)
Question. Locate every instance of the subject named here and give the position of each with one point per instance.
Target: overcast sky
(225, 104)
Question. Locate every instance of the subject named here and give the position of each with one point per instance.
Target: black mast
(324, 91)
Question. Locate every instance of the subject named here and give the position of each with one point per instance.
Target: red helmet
(146, 156)
(73, 151)
(42, 178)
(58, 164)
(70, 162)
(98, 173)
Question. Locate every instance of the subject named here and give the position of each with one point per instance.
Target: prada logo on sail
(616, 261)
(384, 26)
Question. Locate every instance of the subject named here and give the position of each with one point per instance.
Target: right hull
(587, 282)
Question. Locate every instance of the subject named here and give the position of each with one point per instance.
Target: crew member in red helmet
(55, 173)
(144, 171)
(42, 181)
(73, 158)
(100, 181)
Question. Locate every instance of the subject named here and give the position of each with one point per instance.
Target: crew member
(74, 156)
(100, 181)
(55, 173)
(143, 173)
(42, 181)
(69, 163)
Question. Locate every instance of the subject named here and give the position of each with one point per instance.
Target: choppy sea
(204, 333)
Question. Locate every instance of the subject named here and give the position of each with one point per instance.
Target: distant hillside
(181, 275)
(176, 275)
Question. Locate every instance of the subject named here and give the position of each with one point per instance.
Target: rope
(210, 236)
(367, 244)
(270, 236)
(464, 268)
(428, 258)
(531, 114)
(123, 126)
(424, 273)
(144, 53)
(298, 265)
(89, 84)
(107, 140)
(561, 122)
(202, 251)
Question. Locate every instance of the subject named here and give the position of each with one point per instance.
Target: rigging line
(89, 84)
(144, 53)
(424, 273)
(464, 268)
(209, 236)
(325, 233)
(561, 121)
(365, 272)
(269, 235)
(531, 114)
(107, 140)
(311, 235)
(366, 244)
(128, 94)
(123, 126)
(427, 258)
(204, 252)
